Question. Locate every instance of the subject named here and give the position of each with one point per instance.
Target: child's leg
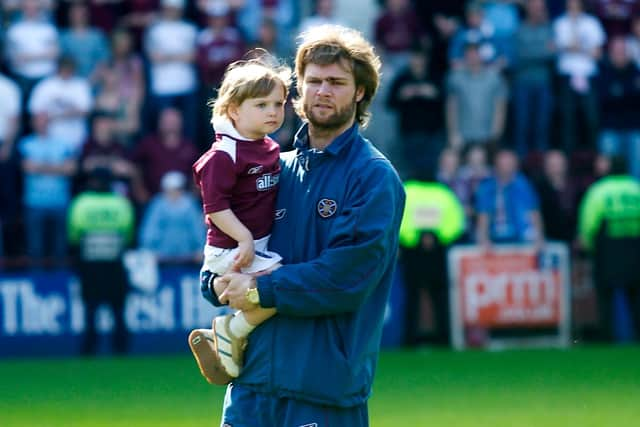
(231, 332)
(258, 315)
(243, 322)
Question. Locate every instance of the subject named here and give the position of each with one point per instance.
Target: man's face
(555, 163)
(472, 57)
(170, 122)
(618, 52)
(329, 95)
(506, 165)
(536, 8)
(574, 6)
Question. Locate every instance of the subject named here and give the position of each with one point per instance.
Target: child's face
(257, 117)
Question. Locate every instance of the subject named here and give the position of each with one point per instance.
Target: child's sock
(239, 326)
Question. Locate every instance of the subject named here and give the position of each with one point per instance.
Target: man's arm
(339, 280)
(590, 217)
(451, 114)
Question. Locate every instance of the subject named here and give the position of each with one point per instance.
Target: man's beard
(334, 121)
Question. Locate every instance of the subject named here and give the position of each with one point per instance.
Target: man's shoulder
(370, 155)
(368, 163)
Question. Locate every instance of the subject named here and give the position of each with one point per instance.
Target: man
(337, 219)
(167, 149)
(618, 87)
(416, 96)
(532, 80)
(170, 45)
(507, 206)
(609, 227)
(67, 100)
(476, 102)
(558, 193)
(433, 220)
(101, 226)
(48, 166)
(578, 38)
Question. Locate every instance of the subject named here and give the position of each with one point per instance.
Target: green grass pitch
(582, 387)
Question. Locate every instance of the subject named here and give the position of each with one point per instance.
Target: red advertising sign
(513, 287)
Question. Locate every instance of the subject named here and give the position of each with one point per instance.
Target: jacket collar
(336, 146)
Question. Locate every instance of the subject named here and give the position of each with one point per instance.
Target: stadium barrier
(42, 314)
(510, 296)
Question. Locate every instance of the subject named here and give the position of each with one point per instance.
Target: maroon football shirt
(243, 176)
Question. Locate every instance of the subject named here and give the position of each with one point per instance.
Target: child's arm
(229, 224)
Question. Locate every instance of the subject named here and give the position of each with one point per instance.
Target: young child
(238, 179)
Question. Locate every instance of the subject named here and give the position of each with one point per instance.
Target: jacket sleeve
(361, 249)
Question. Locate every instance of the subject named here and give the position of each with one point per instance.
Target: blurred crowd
(122, 86)
(517, 106)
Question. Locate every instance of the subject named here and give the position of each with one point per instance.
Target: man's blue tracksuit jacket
(336, 226)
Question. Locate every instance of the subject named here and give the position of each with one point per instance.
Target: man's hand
(235, 293)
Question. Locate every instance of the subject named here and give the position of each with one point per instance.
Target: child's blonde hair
(247, 79)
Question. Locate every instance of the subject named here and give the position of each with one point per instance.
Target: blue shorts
(244, 407)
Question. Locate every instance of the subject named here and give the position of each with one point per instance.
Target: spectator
(476, 31)
(9, 127)
(121, 87)
(166, 150)
(323, 15)
(609, 228)
(100, 229)
(396, 30)
(532, 80)
(125, 112)
(476, 102)
(67, 101)
(633, 41)
(615, 15)
(558, 198)
(618, 87)
(507, 206)
(579, 38)
(138, 16)
(173, 224)
(504, 17)
(417, 98)
(441, 20)
(170, 44)
(31, 46)
(433, 220)
(474, 169)
(84, 44)
(269, 39)
(448, 173)
(48, 165)
(218, 45)
(250, 13)
(102, 151)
